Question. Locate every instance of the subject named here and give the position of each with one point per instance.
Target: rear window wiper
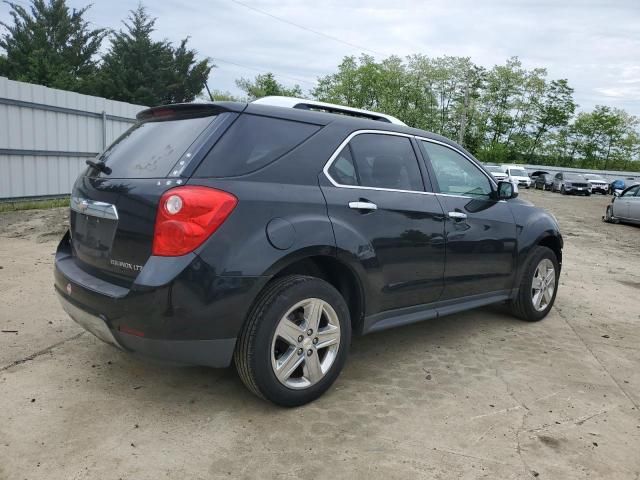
(100, 166)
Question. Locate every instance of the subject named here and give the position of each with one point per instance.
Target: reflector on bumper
(89, 322)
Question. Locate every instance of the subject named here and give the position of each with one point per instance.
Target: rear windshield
(251, 143)
(151, 149)
(517, 172)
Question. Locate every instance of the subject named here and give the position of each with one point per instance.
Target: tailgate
(114, 203)
(112, 224)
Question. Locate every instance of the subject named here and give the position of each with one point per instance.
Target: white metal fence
(47, 134)
(609, 175)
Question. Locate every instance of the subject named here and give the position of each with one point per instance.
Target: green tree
(138, 69)
(506, 114)
(552, 110)
(220, 96)
(389, 86)
(266, 85)
(606, 136)
(51, 45)
(505, 106)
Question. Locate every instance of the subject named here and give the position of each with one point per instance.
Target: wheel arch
(536, 227)
(323, 263)
(554, 243)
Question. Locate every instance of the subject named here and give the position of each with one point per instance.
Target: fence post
(104, 130)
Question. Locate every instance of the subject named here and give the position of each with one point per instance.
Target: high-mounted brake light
(187, 216)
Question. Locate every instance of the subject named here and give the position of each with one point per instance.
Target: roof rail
(304, 104)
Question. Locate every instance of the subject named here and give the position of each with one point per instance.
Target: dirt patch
(37, 225)
(549, 441)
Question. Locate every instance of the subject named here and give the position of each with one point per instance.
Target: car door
(480, 232)
(385, 220)
(625, 205)
(634, 207)
(557, 182)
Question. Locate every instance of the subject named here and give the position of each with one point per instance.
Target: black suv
(267, 235)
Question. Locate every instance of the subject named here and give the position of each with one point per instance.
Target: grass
(33, 204)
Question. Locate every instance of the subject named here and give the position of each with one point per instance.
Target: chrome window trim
(344, 143)
(94, 208)
(335, 154)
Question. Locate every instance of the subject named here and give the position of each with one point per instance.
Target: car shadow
(377, 358)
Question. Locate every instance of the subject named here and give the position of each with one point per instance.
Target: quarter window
(343, 170)
(456, 175)
(379, 161)
(253, 142)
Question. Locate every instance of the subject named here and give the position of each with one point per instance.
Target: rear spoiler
(189, 110)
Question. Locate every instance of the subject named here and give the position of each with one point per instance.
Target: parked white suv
(496, 172)
(517, 175)
(598, 183)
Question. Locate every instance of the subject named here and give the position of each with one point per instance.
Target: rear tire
(538, 287)
(268, 357)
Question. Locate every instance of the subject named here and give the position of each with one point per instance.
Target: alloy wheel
(305, 343)
(543, 285)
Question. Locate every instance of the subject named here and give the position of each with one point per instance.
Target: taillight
(187, 216)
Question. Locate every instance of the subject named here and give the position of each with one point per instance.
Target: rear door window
(151, 149)
(253, 142)
(379, 161)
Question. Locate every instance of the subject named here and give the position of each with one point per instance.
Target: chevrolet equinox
(267, 234)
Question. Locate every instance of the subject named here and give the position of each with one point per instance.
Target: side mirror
(616, 193)
(507, 190)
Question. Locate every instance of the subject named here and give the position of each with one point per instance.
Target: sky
(594, 44)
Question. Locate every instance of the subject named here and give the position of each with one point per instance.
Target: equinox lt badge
(127, 265)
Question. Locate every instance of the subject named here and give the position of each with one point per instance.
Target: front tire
(562, 190)
(608, 216)
(538, 287)
(295, 341)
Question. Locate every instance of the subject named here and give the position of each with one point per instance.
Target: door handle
(457, 215)
(363, 206)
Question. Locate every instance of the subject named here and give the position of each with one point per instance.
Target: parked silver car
(571, 183)
(625, 207)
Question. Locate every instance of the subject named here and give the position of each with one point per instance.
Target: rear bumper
(215, 353)
(191, 317)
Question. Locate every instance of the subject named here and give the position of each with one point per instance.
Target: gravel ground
(474, 395)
